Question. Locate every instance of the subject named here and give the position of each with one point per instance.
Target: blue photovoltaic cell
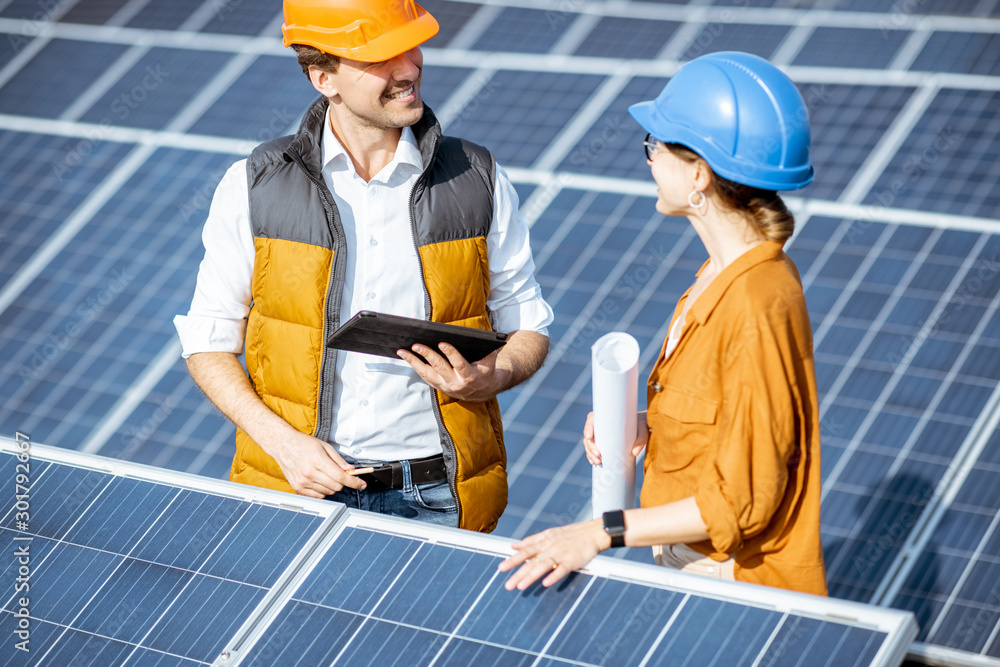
(11, 44)
(435, 600)
(892, 7)
(747, 630)
(961, 52)
(29, 9)
(952, 589)
(106, 312)
(244, 17)
(96, 12)
(617, 37)
(949, 162)
(760, 40)
(239, 112)
(79, 64)
(740, 3)
(156, 88)
(438, 83)
(42, 180)
(806, 641)
(175, 427)
(451, 18)
(850, 47)
(846, 123)
(613, 144)
(118, 563)
(618, 623)
(525, 30)
(77, 647)
(168, 14)
(519, 113)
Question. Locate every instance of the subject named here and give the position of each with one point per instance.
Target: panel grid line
(663, 632)
(960, 468)
(897, 376)
(963, 578)
(562, 623)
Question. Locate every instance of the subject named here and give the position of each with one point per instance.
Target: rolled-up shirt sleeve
(515, 299)
(216, 321)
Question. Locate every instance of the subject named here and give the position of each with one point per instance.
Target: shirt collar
(709, 299)
(335, 156)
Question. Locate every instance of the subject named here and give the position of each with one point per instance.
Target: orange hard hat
(366, 30)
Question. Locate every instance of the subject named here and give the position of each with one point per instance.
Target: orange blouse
(734, 421)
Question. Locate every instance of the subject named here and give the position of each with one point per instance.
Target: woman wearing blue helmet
(732, 480)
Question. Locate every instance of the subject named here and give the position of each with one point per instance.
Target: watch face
(614, 526)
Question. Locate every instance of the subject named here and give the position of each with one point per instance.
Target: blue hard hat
(741, 114)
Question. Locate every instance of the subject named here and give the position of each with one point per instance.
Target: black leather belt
(389, 475)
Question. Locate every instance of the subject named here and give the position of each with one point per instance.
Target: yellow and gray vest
(298, 280)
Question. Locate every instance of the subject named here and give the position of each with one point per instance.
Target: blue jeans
(431, 502)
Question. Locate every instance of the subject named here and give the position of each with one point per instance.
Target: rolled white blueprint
(615, 359)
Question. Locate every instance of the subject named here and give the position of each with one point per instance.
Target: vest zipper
(324, 420)
(446, 440)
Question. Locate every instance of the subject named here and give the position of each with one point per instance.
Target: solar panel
(130, 563)
(123, 558)
(404, 593)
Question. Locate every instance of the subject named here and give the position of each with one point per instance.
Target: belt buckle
(389, 475)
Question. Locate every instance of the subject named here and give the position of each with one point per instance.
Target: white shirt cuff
(209, 334)
(531, 314)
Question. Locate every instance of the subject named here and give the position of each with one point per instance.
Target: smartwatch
(614, 526)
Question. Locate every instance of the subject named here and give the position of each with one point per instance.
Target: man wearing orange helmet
(368, 207)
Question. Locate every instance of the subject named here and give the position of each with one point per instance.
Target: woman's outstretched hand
(554, 553)
(590, 446)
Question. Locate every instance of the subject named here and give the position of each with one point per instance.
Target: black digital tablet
(381, 334)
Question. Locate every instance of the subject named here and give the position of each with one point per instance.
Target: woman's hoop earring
(691, 199)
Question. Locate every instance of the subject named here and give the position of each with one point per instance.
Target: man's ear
(323, 82)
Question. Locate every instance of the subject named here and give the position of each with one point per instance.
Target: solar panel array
(128, 566)
(106, 179)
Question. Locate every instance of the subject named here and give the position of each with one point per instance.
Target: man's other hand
(448, 371)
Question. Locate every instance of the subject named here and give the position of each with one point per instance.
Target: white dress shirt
(382, 409)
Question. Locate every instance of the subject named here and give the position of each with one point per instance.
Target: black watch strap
(614, 526)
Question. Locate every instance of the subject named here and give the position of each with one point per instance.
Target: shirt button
(365, 403)
(371, 295)
(373, 242)
(657, 387)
